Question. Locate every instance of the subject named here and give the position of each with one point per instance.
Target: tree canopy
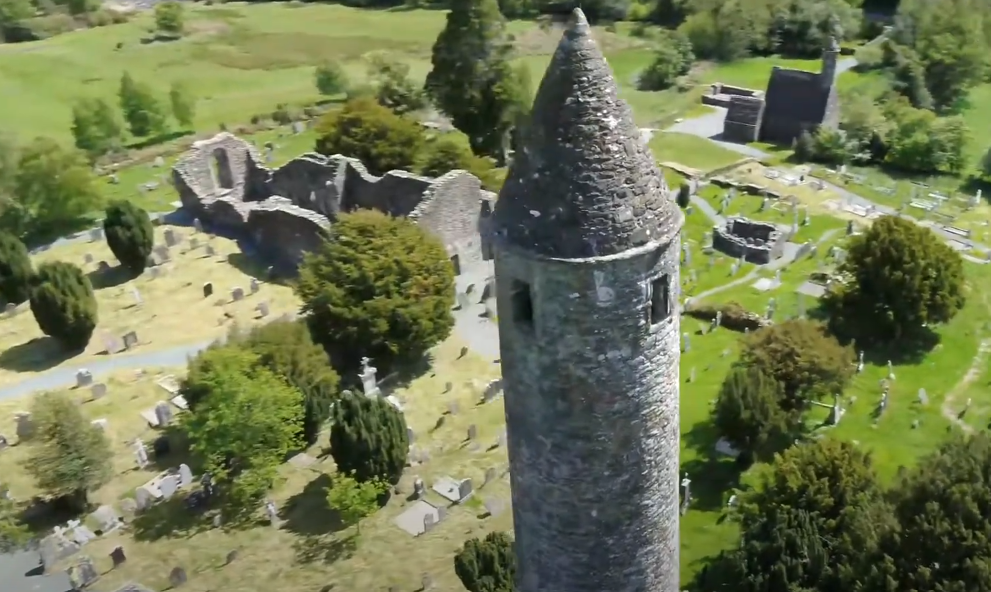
(487, 564)
(472, 79)
(354, 500)
(379, 287)
(130, 234)
(63, 304)
(368, 439)
(899, 277)
(68, 456)
(382, 140)
(802, 357)
(243, 428)
(749, 412)
(16, 270)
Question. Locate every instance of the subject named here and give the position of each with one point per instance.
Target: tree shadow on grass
(168, 519)
(37, 355)
(326, 549)
(307, 513)
(712, 474)
(109, 277)
(160, 138)
(909, 349)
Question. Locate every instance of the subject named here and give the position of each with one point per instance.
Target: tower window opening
(660, 299)
(522, 303)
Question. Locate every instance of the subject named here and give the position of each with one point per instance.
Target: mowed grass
(242, 60)
(305, 553)
(691, 151)
(172, 311)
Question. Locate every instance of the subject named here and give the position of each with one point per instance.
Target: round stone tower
(587, 242)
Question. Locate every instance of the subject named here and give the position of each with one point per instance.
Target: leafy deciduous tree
(13, 533)
(69, 457)
(802, 357)
(142, 111)
(393, 88)
(183, 104)
(354, 500)
(379, 287)
(95, 127)
(287, 349)
(331, 79)
(380, 139)
(63, 304)
(243, 428)
(169, 17)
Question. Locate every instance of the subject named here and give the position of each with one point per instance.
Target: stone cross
(369, 382)
(686, 342)
(891, 371)
(860, 362)
(686, 487)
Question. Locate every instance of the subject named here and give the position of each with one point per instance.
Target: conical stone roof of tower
(582, 183)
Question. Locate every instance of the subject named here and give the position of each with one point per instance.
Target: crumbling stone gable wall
(282, 232)
(451, 210)
(286, 211)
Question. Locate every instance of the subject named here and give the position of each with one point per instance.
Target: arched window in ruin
(221, 166)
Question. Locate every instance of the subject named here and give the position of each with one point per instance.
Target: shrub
(684, 195)
(368, 438)
(15, 269)
(63, 304)
(488, 564)
(735, 317)
(331, 79)
(130, 234)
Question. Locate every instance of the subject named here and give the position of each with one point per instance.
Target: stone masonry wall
(284, 211)
(591, 395)
(756, 242)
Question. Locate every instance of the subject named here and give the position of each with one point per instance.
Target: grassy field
(691, 151)
(243, 60)
(172, 311)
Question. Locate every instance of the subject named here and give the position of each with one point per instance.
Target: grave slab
(412, 519)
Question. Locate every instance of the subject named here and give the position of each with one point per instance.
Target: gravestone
(262, 308)
(95, 235)
(128, 506)
(118, 557)
(254, 286)
(441, 513)
(84, 378)
(197, 225)
(426, 582)
(502, 438)
(464, 490)
(185, 475)
(410, 435)
(493, 506)
(472, 432)
(168, 486)
(237, 294)
(87, 258)
(100, 424)
(130, 340)
(171, 239)
(84, 573)
(25, 426)
(231, 556)
(177, 577)
(453, 408)
(136, 295)
(490, 476)
(155, 272)
(194, 243)
(163, 413)
(98, 390)
(428, 522)
(140, 453)
(210, 251)
(10, 309)
(162, 254)
(419, 488)
(208, 289)
(107, 518)
(143, 498)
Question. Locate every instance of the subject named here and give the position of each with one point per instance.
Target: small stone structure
(757, 242)
(285, 212)
(796, 101)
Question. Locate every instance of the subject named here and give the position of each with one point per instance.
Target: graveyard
(164, 308)
(457, 423)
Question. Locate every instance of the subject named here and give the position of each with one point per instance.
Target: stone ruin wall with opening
(285, 211)
(755, 241)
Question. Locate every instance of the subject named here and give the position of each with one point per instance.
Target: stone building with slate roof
(795, 101)
(586, 238)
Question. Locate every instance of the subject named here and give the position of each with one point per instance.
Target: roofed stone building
(587, 237)
(795, 101)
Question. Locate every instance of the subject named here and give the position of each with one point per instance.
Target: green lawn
(691, 151)
(755, 72)
(242, 60)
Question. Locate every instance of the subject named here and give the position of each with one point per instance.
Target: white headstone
(168, 486)
(185, 475)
